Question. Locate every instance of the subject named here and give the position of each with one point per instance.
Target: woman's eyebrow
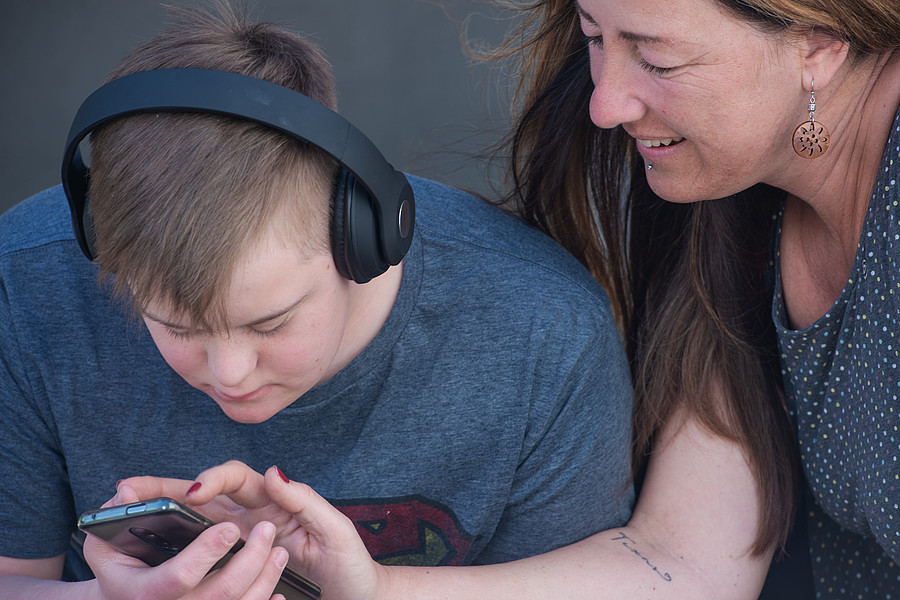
(584, 14)
(627, 35)
(648, 39)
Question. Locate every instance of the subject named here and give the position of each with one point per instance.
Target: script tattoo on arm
(629, 544)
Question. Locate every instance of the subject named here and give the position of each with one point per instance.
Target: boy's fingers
(187, 569)
(173, 578)
(98, 552)
(250, 573)
(264, 585)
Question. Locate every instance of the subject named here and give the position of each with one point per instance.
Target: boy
(468, 404)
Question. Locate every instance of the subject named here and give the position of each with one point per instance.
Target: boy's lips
(238, 398)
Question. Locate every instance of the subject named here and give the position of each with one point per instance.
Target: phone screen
(156, 530)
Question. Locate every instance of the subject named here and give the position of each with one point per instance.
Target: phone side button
(137, 508)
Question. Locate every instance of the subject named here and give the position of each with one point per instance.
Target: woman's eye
(594, 40)
(654, 69)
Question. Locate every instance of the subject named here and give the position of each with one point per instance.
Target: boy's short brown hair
(176, 199)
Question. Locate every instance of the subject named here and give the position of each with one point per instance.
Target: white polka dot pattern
(842, 380)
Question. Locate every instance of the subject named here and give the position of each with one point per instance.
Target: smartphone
(158, 529)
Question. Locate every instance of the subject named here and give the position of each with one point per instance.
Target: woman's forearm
(689, 537)
(609, 565)
(18, 587)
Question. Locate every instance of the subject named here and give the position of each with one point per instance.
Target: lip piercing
(649, 166)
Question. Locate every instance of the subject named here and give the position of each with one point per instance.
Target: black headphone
(374, 208)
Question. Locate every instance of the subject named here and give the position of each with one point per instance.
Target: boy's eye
(181, 333)
(184, 334)
(271, 331)
(178, 334)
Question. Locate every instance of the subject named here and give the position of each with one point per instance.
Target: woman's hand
(232, 493)
(251, 574)
(323, 543)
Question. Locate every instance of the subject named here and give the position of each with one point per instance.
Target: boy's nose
(230, 361)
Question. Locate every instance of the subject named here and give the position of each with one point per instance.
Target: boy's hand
(251, 574)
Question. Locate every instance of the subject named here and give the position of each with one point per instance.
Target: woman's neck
(836, 187)
(828, 197)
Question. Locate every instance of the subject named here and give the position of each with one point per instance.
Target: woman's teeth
(660, 142)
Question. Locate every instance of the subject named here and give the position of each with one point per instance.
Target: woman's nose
(614, 100)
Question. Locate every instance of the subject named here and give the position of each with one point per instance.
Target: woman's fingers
(155, 487)
(325, 544)
(310, 510)
(234, 479)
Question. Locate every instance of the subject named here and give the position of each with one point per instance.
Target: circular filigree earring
(811, 137)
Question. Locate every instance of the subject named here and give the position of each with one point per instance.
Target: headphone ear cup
(87, 229)
(339, 222)
(354, 236)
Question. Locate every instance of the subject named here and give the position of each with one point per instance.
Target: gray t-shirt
(842, 381)
(488, 420)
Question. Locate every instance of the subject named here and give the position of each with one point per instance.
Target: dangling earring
(811, 138)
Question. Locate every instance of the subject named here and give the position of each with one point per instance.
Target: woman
(785, 108)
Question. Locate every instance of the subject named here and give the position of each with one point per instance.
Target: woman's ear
(822, 56)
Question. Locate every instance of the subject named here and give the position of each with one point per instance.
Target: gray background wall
(402, 76)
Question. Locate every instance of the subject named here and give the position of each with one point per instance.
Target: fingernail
(282, 475)
(230, 536)
(268, 530)
(281, 558)
(193, 489)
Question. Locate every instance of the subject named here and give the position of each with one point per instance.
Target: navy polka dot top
(842, 381)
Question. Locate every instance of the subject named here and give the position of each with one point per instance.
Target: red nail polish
(282, 475)
(193, 489)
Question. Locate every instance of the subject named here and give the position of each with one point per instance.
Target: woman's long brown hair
(688, 283)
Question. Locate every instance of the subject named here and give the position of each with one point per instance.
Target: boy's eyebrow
(627, 35)
(264, 319)
(277, 313)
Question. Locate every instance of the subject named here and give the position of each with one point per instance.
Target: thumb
(125, 494)
(310, 510)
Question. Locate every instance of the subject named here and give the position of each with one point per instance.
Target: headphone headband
(248, 98)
